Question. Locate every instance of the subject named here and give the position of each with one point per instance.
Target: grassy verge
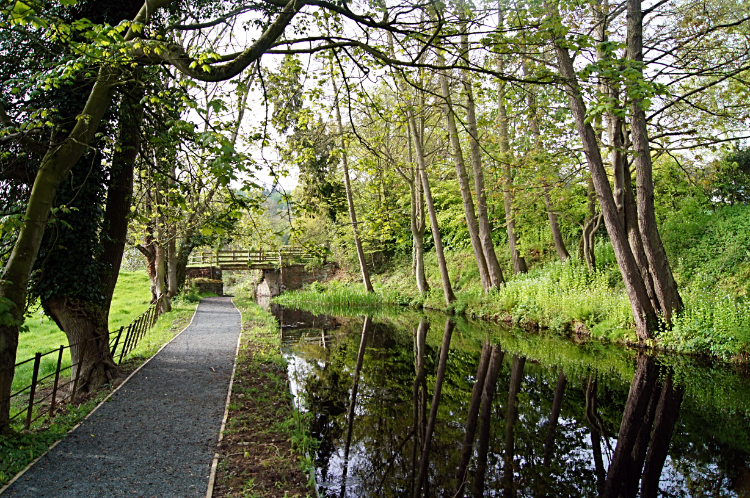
(564, 298)
(17, 451)
(264, 452)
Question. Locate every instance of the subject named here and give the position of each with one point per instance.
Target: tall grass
(341, 294)
(557, 296)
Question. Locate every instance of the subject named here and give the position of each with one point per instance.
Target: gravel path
(157, 435)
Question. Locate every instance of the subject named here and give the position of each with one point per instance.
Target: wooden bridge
(256, 259)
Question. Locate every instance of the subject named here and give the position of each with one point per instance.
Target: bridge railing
(253, 258)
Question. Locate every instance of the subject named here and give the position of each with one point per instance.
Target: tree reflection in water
(405, 409)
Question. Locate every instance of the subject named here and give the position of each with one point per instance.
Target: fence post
(125, 342)
(117, 341)
(34, 377)
(57, 378)
(136, 332)
(78, 372)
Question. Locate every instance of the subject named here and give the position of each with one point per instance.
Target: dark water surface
(398, 411)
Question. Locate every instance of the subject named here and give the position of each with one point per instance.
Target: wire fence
(46, 393)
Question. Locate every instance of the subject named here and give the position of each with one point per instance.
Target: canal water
(404, 404)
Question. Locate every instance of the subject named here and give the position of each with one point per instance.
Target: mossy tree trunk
(82, 320)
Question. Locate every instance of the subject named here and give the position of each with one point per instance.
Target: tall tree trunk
(418, 233)
(589, 228)
(519, 263)
(160, 252)
(160, 263)
(634, 236)
(516, 377)
(86, 321)
(485, 418)
(485, 228)
(439, 378)
(349, 196)
(171, 232)
(643, 313)
(172, 261)
(664, 283)
(557, 238)
(467, 449)
(463, 180)
(623, 190)
(416, 218)
(445, 278)
(14, 281)
(120, 191)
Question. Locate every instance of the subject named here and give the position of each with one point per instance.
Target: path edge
(20, 474)
(215, 462)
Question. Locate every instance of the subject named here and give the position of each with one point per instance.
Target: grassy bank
(264, 452)
(563, 298)
(557, 296)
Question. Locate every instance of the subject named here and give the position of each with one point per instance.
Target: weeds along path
(156, 436)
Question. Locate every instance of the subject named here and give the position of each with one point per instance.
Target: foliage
(732, 178)
(708, 245)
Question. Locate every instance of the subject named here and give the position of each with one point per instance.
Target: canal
(410, 404)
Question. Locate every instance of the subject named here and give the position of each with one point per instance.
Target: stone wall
(293, 277)
(296, 276)
(215, 287)
(203, 272)
(270, 285)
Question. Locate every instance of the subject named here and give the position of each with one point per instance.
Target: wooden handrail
(261, 256)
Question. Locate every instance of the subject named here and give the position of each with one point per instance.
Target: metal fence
(48, 388)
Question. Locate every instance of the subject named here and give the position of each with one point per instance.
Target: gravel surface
(157, 435)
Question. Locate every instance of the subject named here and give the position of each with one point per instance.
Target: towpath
(156, 436)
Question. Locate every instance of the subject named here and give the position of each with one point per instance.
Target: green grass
(261, 328)
(342, 294)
